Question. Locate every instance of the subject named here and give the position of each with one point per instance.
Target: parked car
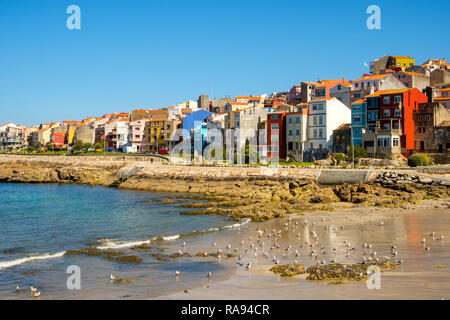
(163, 151)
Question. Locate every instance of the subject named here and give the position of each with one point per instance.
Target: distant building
(296, 128)
(324, 116)
(390, 123)
(140, 114)
(391, 62)
(203, 102)
(440, 77)
(12, 137)
(431, 128)
(276, 135)
(359, 120)
(342, 138)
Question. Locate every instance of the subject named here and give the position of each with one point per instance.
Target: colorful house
(276, 135)
(359, 120)
(390, 121)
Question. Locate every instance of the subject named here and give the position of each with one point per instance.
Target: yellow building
(403, 62)
(154, 135)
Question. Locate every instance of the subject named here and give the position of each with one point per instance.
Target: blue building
(194, 120)
(359, 120)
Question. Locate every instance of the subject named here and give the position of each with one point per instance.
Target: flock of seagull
(266, 244)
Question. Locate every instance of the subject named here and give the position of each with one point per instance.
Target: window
(395, 142)
(275, 117)
(427, 117)
(297, 120)
(398, 99)
(290, 132)
(356, 118)
(274, 126)
(387, 113)
(315, 133)
(314, 107)
(387, 100)
(290, 120)
(320, 133)
(398, 112)
(356, 86)
(315, 121)
(321, 120)
(357, 95)
(297, 132)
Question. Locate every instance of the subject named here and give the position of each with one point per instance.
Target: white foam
(108, 244)
(170, 238)
(12, 263)
(237, 225)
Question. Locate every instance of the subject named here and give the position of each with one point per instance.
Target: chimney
(431, 93)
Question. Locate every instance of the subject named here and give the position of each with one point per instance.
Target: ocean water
(40, 223)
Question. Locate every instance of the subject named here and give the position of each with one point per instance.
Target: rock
(288, 270)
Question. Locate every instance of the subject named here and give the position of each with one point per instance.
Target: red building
(395, 125)
(276, 135)
(58, 139)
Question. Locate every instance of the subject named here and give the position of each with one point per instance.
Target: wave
(110, 244)
(46, 256)
(237, 225)
(170, 238)
(113, 244)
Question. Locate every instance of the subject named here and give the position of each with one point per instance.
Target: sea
(43, 228)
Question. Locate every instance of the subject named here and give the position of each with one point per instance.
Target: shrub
(78, 145)
(425, 159)
(87, 145)
(339, 157)
(360, 152)
(98, 146)
(415, 160)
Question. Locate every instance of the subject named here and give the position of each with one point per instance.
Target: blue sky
(148, 53)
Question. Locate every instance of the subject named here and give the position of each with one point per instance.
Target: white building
(325, 115)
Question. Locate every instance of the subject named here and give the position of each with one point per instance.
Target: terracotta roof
(413, 74)
(444, 90)
(371, 77)
(442, 98)
(359, 101)
(248, 98)
(384, 92)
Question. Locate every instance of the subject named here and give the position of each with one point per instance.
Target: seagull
(17, 289)
(177, 273)
(36, 294)
(112, 277)
(423, 240)
(249, 265)
(209, 275)
(184, 244)
(33, 289)
(382, 223)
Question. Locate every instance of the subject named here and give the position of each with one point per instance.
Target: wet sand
(424, 274)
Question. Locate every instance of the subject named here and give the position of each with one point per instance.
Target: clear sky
(153, 53)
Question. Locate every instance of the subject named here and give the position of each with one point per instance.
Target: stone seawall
(258, 193)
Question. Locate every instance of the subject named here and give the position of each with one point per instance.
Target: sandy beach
(422, 275)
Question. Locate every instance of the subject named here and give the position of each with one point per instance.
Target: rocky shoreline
(236, 192)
